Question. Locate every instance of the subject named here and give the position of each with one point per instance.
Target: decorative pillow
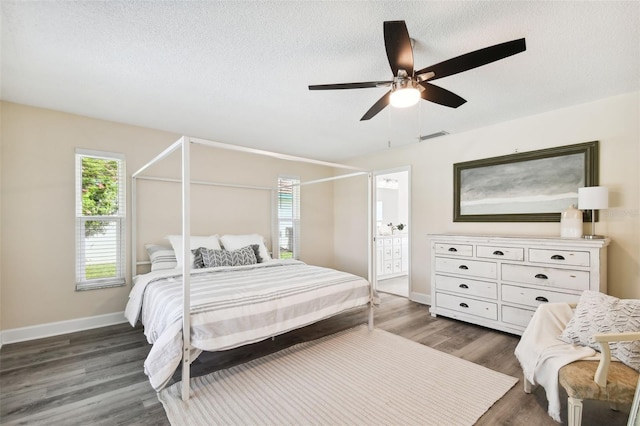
(599, 313)
(214, 258)
(197, 258)
(195, 242)
(256, 250)
(235, 242)
(161, 257)
(198, 262)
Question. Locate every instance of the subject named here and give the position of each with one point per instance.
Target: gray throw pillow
(214, 258)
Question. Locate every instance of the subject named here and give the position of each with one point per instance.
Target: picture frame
(534, 186)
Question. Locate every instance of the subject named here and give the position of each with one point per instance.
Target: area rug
(353, 377)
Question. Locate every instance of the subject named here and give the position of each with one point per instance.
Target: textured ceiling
(237, 72)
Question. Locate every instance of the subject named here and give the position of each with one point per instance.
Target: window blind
(100, 219)
(289, 218)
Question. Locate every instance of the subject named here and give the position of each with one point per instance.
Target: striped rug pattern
(353, 377)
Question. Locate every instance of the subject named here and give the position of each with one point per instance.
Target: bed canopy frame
(184, 145)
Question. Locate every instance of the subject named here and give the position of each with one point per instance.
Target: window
(289, 218)
(100, 219)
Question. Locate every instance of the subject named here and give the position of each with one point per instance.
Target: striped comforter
(234, 306)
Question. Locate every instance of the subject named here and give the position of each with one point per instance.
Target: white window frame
(295, 215)
(119, 219)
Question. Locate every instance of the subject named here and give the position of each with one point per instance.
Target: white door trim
(374, 229)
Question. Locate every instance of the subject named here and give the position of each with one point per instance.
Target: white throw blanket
(542, 354)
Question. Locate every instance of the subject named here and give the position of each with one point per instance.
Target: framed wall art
(533, 186)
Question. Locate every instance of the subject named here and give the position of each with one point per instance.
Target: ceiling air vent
(433, 135)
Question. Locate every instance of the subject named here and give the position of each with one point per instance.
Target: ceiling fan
(408, 85)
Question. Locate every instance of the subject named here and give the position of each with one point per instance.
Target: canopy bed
(211, 299)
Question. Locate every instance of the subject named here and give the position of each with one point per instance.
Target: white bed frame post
(134, 232)
(134, 201)
(185, 144)
(186, 268)
(275, 230)
(371, 245)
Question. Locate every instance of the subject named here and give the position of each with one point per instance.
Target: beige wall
(37, 228)
(615, 122)
(37, 284)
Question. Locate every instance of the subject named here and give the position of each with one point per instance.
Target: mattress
(235, 306)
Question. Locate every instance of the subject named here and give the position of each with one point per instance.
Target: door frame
(374, 230)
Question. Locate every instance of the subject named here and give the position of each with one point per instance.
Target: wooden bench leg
(574, 411)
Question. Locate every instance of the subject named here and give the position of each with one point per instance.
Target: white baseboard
(425, 299)
(61, 327)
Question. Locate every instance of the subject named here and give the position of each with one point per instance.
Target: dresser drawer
(453, 249)
(499, 281)
(559, 257)
(494, 252)
(387, 253)
(516, 316)
(473, 268)
(468, 306)
(559, 278)
(465, 286)
(534, 296)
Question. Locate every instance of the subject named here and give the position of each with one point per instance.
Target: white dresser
(392, 255)
(499, 282)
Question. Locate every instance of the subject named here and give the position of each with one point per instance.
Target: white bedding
(234, 306)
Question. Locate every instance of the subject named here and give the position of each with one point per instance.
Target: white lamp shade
(402, 98)
(593, 198)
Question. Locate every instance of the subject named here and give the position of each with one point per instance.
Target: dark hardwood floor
(96, 377)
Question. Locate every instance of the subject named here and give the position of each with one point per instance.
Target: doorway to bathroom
(392, 237)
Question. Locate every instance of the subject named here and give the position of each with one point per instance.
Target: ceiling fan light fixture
(404, 94)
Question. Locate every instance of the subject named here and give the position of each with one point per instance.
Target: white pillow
(210, 242)
(161, 257)
(235, 242)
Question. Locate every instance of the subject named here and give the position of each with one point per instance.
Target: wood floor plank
(96, 376)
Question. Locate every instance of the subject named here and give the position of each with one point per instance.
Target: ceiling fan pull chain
(389, 128)
(419, 122)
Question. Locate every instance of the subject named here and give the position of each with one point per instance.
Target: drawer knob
(463, 267)
(557, 257)
(498, 253)
(463, 286)
(464, 305)
(452, 249)
(542, 276)
(542, 299)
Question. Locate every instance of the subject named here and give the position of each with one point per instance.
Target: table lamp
(593, 198)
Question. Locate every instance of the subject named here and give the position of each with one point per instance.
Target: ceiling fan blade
(377, 107)
(475, 59)
(398, 45)
(363, 85)
(440, 96)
